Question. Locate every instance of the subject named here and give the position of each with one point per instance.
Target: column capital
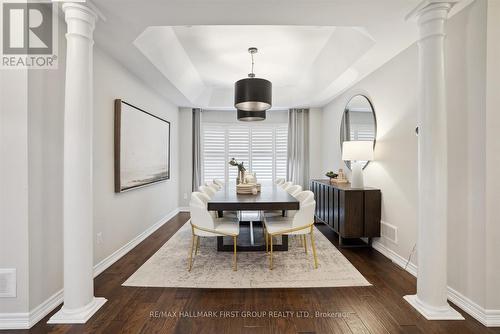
(431, 6)
(80, 19)
(431, 16)
(85, 5)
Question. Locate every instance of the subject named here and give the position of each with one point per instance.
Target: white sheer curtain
(298, 147)
(196, 176)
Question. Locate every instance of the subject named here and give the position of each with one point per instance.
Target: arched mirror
(358, 122)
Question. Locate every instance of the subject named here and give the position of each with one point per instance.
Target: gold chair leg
(314, 251)
(197, 245)
(266, 236)
(271, 255)
(305, 242)
(191, 253)
(235, 268)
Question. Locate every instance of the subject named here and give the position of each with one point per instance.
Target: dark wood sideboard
(350, 212)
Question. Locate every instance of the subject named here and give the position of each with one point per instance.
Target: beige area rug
(213, 269)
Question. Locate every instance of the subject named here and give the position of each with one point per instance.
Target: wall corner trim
(28, 320)
(487, 317)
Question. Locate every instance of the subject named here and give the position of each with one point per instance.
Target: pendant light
(250, 116)
(253, 94)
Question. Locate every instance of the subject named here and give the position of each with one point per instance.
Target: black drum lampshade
(253, 94)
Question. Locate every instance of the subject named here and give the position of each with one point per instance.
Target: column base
(433, 313)
(78, 316)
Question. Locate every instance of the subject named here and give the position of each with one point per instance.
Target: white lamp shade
(361, 150)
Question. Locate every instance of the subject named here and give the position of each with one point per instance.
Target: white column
(431, 298)
(79, 301)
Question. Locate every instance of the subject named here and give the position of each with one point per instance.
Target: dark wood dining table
(270, 198)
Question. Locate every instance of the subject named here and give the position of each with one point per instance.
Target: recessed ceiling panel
(220, 52)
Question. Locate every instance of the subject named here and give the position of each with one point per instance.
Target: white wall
(466, 89)
(493, 156)
(120, 217)
(392, 89)
(14, 246)
(46, 121)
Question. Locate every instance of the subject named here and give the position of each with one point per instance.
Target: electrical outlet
(99, 238)
(185, 196)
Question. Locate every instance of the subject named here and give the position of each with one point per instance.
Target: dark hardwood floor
(376, 309)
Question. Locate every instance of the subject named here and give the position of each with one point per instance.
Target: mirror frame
(348, 165)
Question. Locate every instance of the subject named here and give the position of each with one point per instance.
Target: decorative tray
(247, 188)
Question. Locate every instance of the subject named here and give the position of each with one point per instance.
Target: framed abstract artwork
(142, 147)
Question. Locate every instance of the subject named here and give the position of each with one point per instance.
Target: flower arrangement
(331, 175)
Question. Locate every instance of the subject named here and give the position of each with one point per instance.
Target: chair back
(305, 215)
(199, 214)
(279, 181)
(285, 185)
(207, 191)
(215, 187)
(219, 183)
(294, 190)
(204, 197)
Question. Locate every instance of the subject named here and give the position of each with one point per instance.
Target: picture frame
(141, 147)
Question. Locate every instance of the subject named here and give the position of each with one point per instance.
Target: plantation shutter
(262, 153)
(238, 148)
(263, 149)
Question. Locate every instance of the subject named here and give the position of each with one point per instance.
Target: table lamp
(358, 152)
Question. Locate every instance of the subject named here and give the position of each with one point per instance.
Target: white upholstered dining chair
(219, 183)
(210, 192)
(294, 190)
(279, 181)
(214, 186)
(285, 185)
(203, 224)
(302, 223)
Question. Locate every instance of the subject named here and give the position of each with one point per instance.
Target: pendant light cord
(252, 63)
(252, 51)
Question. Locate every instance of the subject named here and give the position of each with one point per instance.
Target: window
(263, 149)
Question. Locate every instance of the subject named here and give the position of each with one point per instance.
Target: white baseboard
(184, 209)
(119, 253)
(28, 320)
(394, 257)
(39, 312)
(14, 321)
(487, 317)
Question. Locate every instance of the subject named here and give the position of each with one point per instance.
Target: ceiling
(204, 62)
(192, 51)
